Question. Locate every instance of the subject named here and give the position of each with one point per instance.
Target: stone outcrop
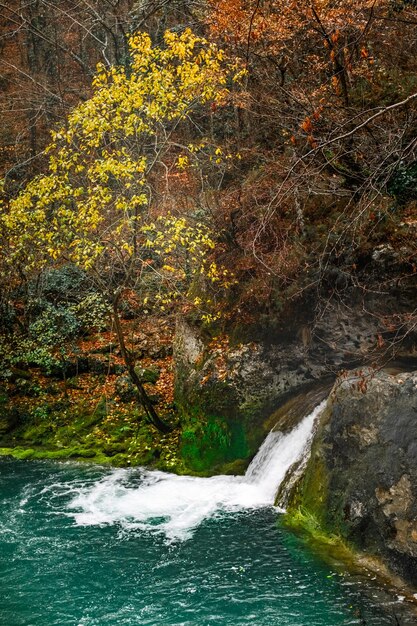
(233, 381)
(246, 374)
(361, 479)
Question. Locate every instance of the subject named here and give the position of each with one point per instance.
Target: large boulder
(361, 480)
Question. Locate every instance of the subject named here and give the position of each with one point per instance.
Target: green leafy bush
(403, 183)
(91, 312)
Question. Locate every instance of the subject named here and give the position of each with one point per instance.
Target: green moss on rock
(209, 442)
(303, 522)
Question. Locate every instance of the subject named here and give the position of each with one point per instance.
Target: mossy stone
(148, 374)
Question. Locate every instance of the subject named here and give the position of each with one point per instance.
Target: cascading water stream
(176, 505)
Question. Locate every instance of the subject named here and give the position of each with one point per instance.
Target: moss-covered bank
(92, 420)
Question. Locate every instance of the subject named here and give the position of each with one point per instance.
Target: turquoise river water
(91, 546)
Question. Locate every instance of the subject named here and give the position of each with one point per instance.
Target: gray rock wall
(252, 371)
(361, 480)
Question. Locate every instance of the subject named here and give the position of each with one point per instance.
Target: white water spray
(176, 505)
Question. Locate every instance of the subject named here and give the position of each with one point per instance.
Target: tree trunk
(150, 411)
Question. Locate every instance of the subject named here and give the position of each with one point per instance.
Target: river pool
(80, 547)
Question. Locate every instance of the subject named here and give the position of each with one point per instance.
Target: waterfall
(176, 505)
(279, 452)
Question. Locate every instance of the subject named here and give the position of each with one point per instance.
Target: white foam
(176, 505)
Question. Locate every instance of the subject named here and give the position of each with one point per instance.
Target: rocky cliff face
(242, 377)
(361, 479)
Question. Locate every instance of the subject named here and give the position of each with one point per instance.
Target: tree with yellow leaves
(92, 208)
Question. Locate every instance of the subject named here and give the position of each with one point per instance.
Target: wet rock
(125, 388)
(148, 374)
(160, 352)
(85, 364)
(361, 480)
(19, 374)
(108, 348)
